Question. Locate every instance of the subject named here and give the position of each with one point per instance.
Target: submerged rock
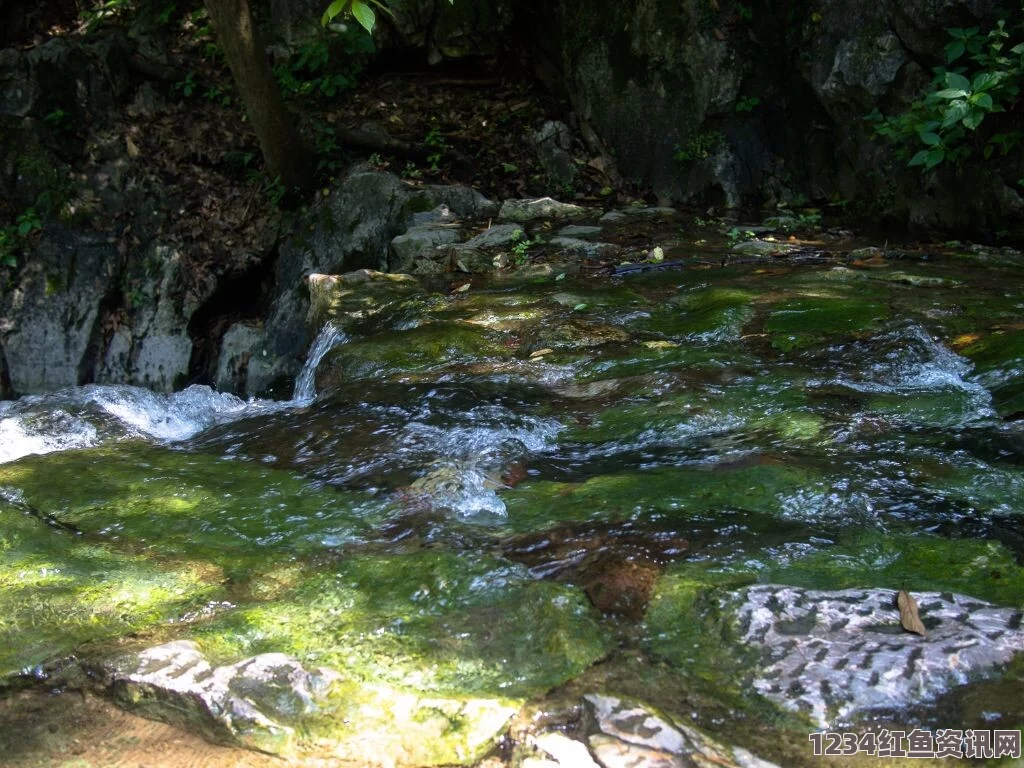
(273, 703)
(522, 211)
(624, 733)
(834, 655)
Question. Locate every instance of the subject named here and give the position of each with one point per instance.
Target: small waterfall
(328, 338)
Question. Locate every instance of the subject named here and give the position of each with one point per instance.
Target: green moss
(711, 314)
(672, 494)
(772, 407)
(433, 622)
(173, 503)
(426, 347)
(999, 361)
(58, 591)
(807, 321)
(691, 626)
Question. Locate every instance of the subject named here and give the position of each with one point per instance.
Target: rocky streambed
(544, 518)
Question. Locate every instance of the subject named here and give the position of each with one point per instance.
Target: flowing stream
(487, 492)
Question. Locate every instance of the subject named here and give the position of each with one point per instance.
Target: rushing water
(819, 427)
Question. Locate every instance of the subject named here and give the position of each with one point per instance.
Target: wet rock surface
(833, 655)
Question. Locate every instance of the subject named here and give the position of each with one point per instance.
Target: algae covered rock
(272, 703)
(999, 362)
(428, 347)
(806, 321)
(355, 296)
(59, 590)
(430, 622)
(820, 635)
(523, 211)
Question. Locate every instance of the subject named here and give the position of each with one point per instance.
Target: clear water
(744, 420)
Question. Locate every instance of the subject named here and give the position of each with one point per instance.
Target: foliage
(435, 141)
(325, 66)
(699, 147)
(522, 245)
(748, 104)
(14, 237)
(981, 76)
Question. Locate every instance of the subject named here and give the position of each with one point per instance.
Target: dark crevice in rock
(239, 296)
(111, 307)
(6, 390)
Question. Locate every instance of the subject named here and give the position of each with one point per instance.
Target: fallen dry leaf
(909, 617)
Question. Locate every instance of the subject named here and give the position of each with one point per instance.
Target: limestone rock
(629, 733)
(584, 248)
(355, 295)
(416, 243)
(527, 210)
(272, 703)
(580, 231)
(498, 236)
(763, 248)
(553, 141)
(836, 654)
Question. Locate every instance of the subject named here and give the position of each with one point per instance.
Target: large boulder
(50, 319)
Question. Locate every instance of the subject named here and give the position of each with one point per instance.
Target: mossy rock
(59, 591)
(178, 504)
(430, 622)
(670, 494)
(999, 362)
(808, 321)
(428, 347)
(709, 315)
(779, 409)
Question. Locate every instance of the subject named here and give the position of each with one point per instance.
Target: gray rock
(49, 319)
(246, 704)
(584, 248)
(244, 367)
(442, 214)
(628, 733)
(759, 247)
(266, 702)
(553, 142)
(156, 350)
(564, 751)
(612, 217)
(466, 258)
(836, 654)
(580, 231)
(523, 211)
(498, 236)
(648, 212)
(354, 296)
(464, 202)
(417, 243)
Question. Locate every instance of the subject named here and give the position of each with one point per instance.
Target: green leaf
(934, 157)
(952, 93)
(953, 80)
(920, 158)
(954, 113)
(1017, 49)
(931, 139)
(984, 81)
(982, 100)
(364, 15)
(973, 119)
(332, 10)
(954, 51)
(989, 149)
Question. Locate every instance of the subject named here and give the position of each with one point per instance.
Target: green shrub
(982, 76)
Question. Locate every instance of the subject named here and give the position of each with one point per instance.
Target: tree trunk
(284, 152)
